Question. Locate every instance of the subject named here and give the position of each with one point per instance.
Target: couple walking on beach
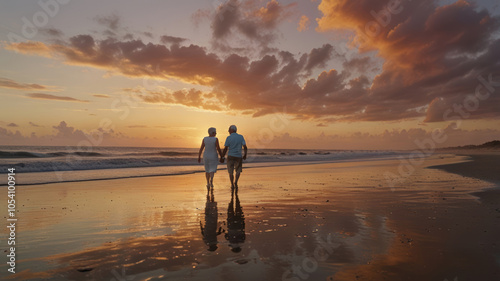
(213, 155)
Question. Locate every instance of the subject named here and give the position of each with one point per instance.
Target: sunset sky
(336, 74)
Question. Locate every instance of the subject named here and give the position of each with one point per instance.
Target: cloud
(11, 84)
(236, 20)
(132, 58)
(52, 32)
(318, 57)
(31, 48)
(191, 98)
(101, 96)
(34, 125)
(237, 83)
(226, 17)
(111, 22)
(165, 39)
(53, 97)
(63, 130)
(273, 13)
(428, 63)
(65, 135)
(361, 65)
(148, 34)
(388, 139)
(200, 16)
(303, 23)
(430, 53)
(137, 126)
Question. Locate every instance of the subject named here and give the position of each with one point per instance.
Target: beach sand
(335, 221)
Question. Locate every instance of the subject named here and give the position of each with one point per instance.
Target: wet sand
(479, 165)
(337, 221)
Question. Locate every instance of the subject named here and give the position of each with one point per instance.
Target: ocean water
(49, 164)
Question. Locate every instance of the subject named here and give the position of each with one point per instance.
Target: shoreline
(478, 167)
(198, 169)
(483, 167)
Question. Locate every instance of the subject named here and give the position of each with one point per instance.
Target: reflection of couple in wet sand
(235, 234)
(210, 231)
(233, 145)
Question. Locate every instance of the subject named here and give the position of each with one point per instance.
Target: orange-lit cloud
(432, 53)
(101, 96)
(53, 97)
(273, 13)
(238, 83)
(191, 98)
(30, 48)
(432, 56)
(303, 23)
(11, 84)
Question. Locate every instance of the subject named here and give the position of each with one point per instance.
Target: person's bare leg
(212, 180)
(236, 180)
(231, 178)
(207, 175)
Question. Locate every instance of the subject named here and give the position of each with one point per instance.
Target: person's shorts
(234, 163)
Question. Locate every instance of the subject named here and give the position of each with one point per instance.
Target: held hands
(245, 157)
(222, 159)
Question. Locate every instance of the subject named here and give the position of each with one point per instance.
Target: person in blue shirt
(234, 143)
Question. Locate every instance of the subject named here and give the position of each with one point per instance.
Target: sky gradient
(335, 74)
